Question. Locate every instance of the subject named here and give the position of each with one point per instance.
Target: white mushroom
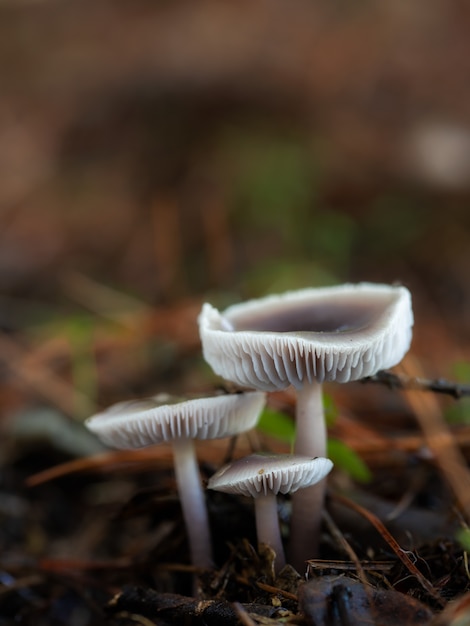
(137, 424)
(304, 338)
(264, 476)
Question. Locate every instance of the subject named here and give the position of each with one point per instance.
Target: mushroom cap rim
(209, 417)
(274, 359)
(264, 474)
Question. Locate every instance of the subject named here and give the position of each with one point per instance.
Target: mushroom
(303, 338)
(163, 418)
(262, 477)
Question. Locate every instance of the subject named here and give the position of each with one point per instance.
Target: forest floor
(91, 536)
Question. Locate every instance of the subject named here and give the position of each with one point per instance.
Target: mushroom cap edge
(126, 426)
(270, 360)
(263, 474)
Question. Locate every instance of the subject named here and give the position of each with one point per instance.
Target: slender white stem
(267, 527)
(310, 437)
(192, 502)
(307, 504)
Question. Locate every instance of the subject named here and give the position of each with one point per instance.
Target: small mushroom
(262, 477)
(163, 418)
(304, 338)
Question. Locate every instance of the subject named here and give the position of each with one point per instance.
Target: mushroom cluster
(303, 339)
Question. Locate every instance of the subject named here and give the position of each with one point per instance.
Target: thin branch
(439, 439)
(437, 385)
(347, 548)
(393, 544)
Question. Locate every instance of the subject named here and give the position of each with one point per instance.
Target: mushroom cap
(340, 333)
(140, 423)
(261, 474)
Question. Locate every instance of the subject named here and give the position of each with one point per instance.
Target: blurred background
(154, 155)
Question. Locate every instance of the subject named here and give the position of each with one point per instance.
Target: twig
(439, 439)
(437, 385)
(103, 300)
(268, 588)
(139, 460)
(349, 566)
(276, 590)
(345, 545)
(394, 545)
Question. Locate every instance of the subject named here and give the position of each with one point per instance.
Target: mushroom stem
(267, 527)
(192, 502)
(307, 504)
(310, 439)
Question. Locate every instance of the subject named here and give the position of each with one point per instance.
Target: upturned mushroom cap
(260, 474)
(140, 423)
(340, 333)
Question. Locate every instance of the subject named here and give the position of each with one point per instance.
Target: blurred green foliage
(393, 226)
(463, 537)
(78, 329)
(277, 424)
(277, 275)
(346, 459)
(273, 177)
(275, 186)
(281, 426)
(459, 411)
(290, 233)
